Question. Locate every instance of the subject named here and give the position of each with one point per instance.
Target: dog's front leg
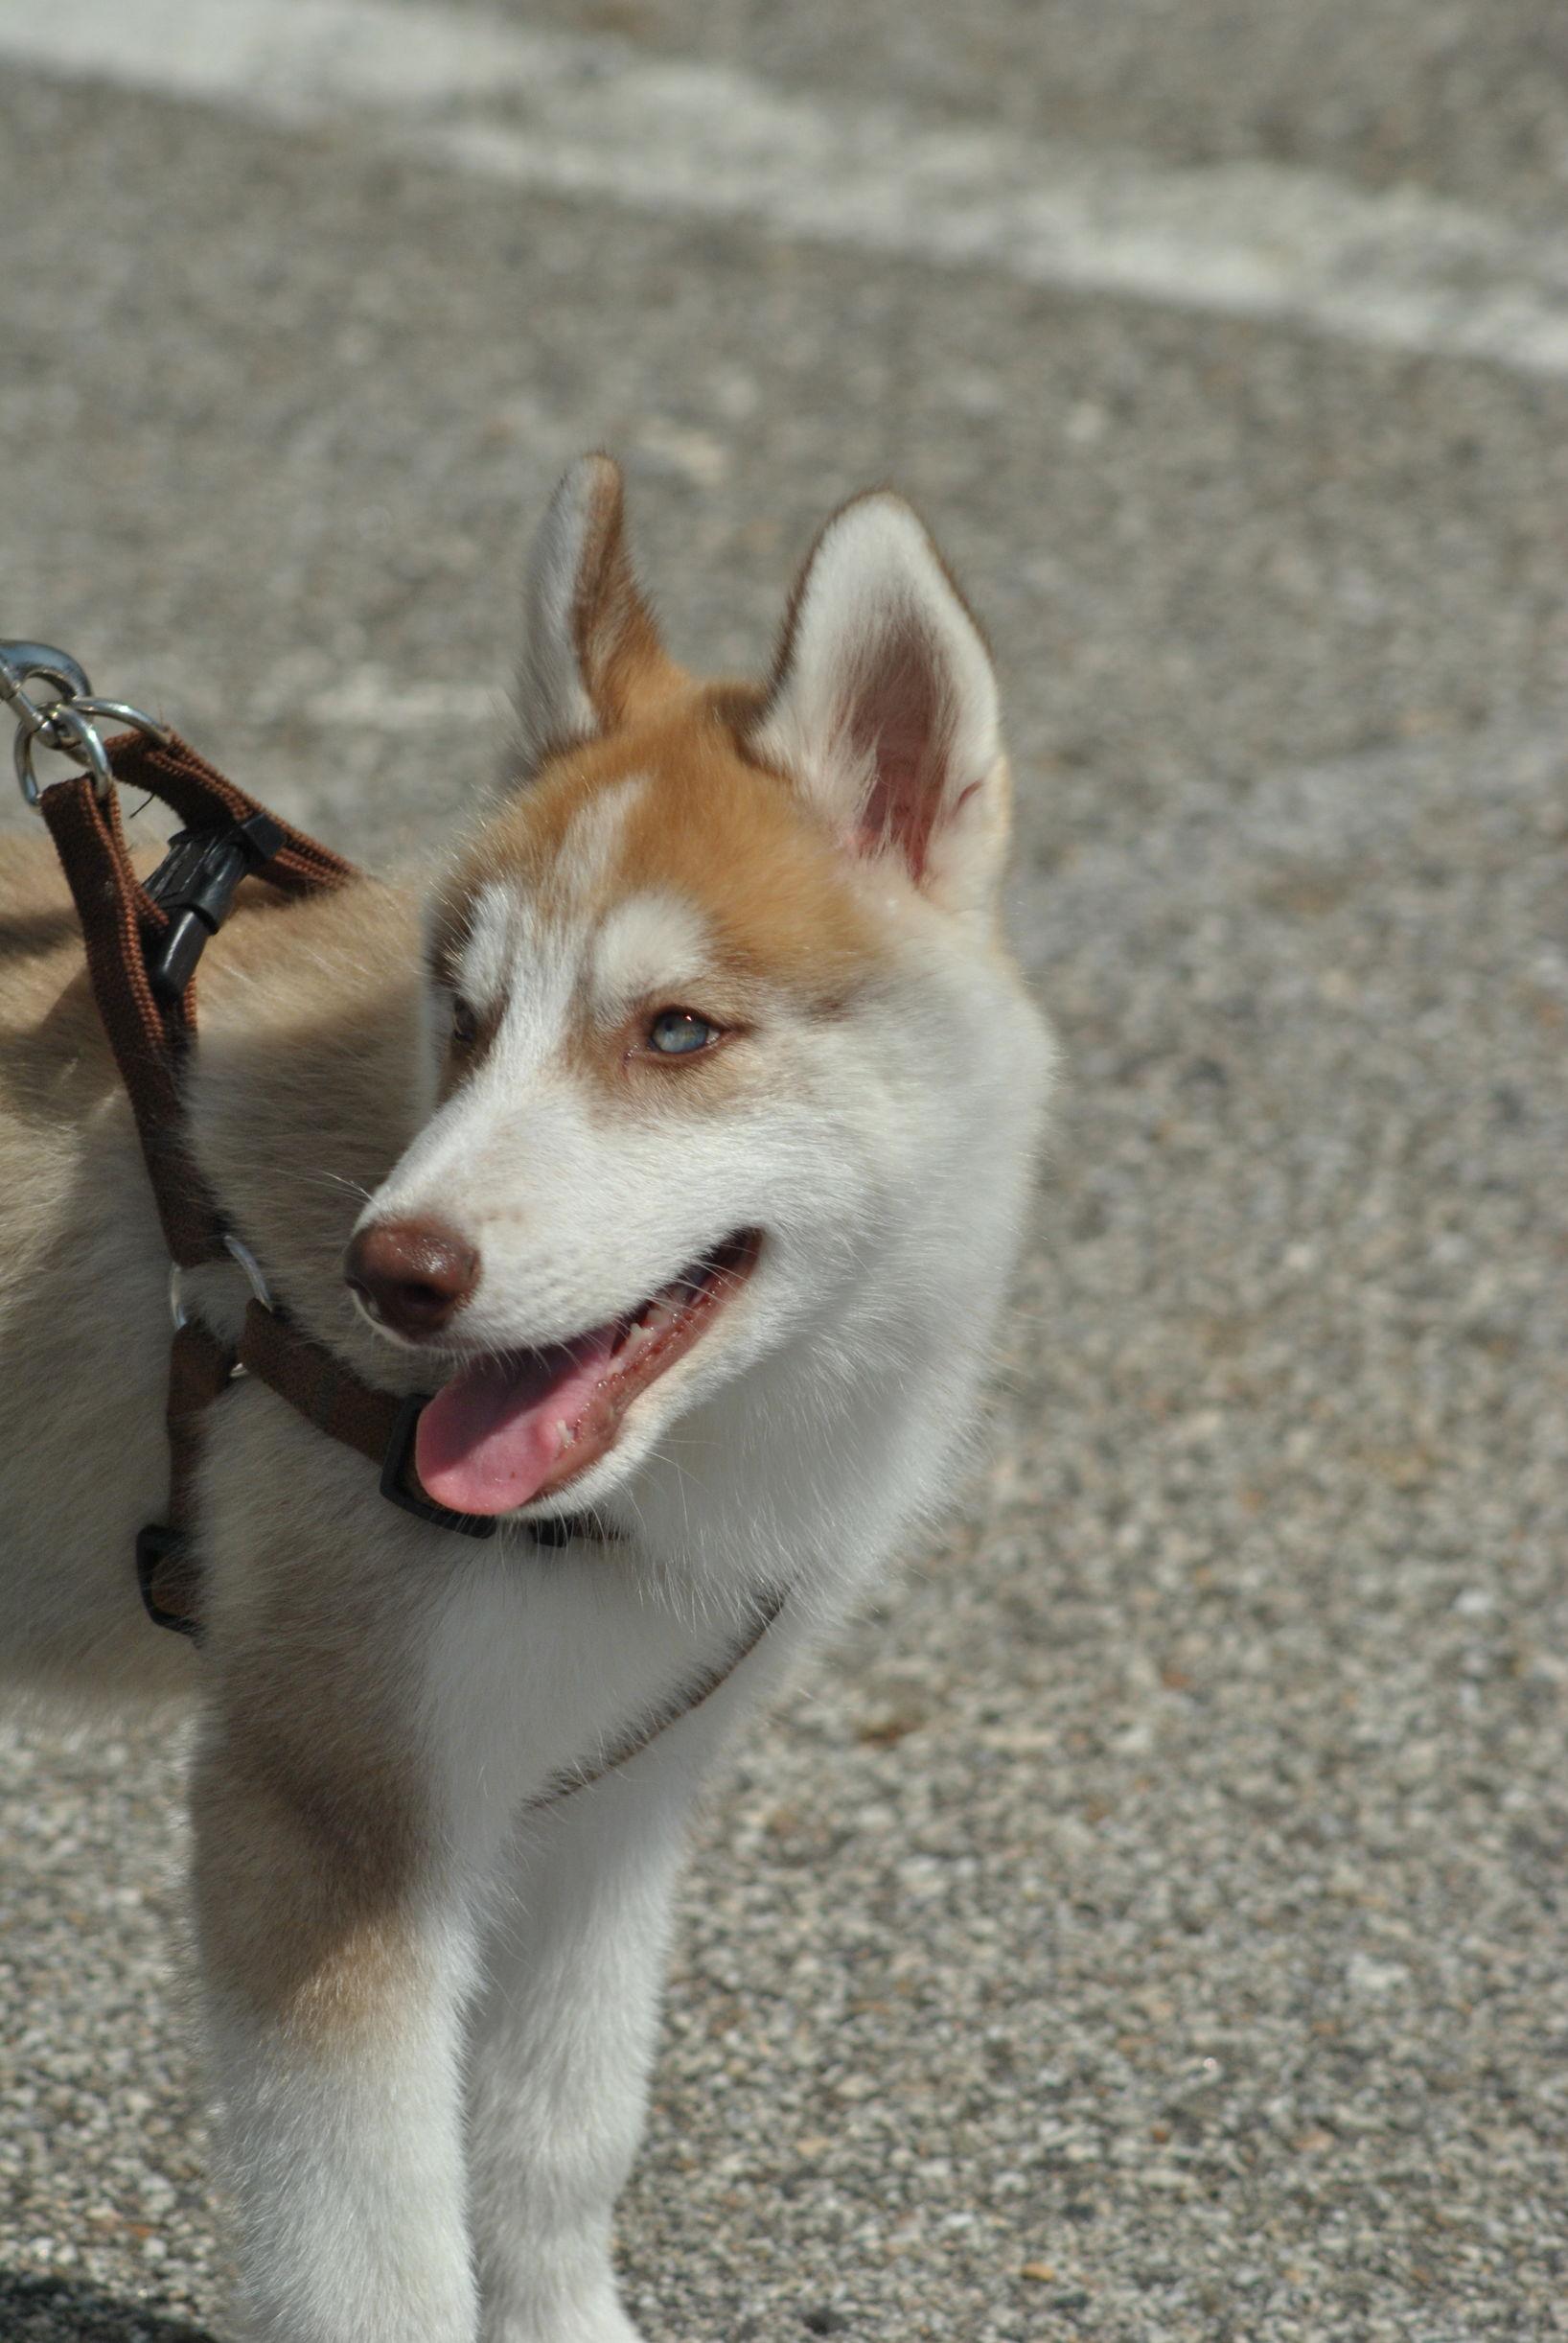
(333, 1967)
(563, 2029)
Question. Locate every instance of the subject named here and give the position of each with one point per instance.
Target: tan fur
(307, 1086)
(301, 1886)
(710, 826)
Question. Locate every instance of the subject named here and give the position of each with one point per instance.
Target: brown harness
(143, 940)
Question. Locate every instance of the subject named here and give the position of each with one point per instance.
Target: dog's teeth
(664, 1309)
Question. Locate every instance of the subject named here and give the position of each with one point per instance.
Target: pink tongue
(491, 1437)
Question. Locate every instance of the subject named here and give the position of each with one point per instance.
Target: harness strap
(119, 923)
(324, 1390)
(204, 798)
(168, 1569)
(149, 1027)
(320, 1387)
(634, 1742)
(121, 926)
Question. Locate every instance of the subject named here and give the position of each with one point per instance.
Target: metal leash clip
(67, 724)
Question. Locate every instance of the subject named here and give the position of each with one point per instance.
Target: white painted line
(593, 117)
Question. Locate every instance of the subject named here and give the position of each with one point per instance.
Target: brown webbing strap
(330, 1395)
(122, 927)
(321, 1386)
(119, 921)
(325, 1391)
(188, 786)
(199, 1368)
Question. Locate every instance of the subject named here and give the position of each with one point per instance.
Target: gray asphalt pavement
(1150, 1924)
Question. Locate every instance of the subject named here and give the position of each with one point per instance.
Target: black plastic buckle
(154, 1544)
(195, 884)
(395, 1463)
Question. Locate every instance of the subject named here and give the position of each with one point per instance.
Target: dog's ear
(883, 706)
(592, 654)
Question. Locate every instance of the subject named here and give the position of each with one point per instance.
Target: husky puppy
(679, 1146)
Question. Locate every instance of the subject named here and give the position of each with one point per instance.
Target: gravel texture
(1148, 1925)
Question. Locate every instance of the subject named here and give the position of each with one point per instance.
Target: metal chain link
(66, 724)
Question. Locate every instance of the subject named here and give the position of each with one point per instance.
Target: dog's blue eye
(676, 1033)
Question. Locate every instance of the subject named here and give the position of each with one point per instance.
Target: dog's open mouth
(507, 1430)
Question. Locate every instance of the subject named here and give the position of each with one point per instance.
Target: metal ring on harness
(65, 725)
(21, 662)
(79, 736)
(179, 1317)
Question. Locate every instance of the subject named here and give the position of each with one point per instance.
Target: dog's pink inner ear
(883, 706)
(900, 719)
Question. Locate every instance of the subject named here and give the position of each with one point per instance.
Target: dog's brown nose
(412, 1275)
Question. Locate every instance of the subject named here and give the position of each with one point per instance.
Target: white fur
(589, 843)
(885, 1153)
(327, 2159)
(649, 943)
(488, 949)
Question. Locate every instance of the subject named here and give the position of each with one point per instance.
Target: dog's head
(717, 1013)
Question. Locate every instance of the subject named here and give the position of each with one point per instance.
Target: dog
(678, 1143)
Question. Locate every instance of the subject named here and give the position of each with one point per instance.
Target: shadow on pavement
(53, 2310)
